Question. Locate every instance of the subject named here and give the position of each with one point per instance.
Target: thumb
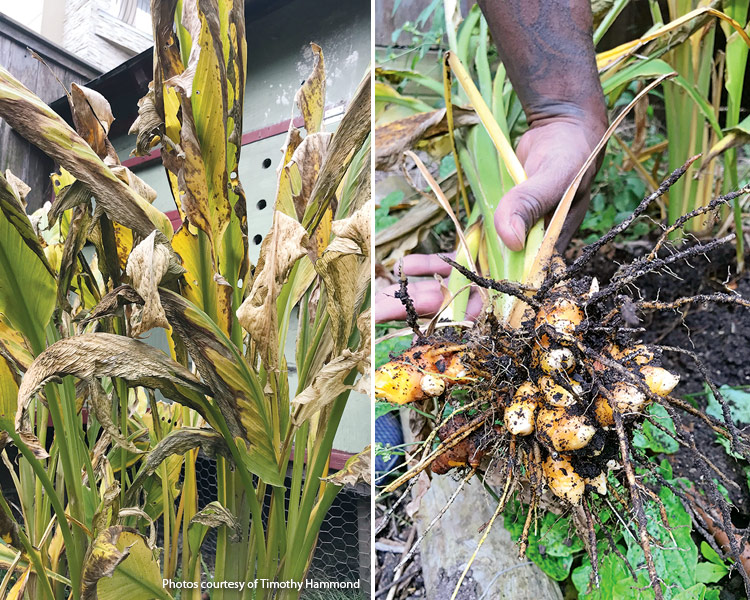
(524, 205)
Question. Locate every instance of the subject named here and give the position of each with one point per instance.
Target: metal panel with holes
(258, 164)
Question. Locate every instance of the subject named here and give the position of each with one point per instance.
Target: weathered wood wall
(16, 154)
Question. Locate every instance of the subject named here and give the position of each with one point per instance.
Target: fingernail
(519, 229)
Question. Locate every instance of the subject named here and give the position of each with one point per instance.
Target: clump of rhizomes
(491, 361)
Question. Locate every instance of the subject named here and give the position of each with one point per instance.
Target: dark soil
(719, 334)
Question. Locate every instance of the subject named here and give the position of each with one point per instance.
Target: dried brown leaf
(282, 247)
(356, 470)
(345, 269)
(101, 560)
(106, 355)
(304, 168)
(329, 381)
(147, 265)
(392, 139)
(179, 441)
(18, 186)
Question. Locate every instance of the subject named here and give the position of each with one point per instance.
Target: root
(590, 333)
(412, 318)
(506, 287)
(590, 251)
(637, 503)
(593, 552)
(642, 267)
(702, 298)
(452, 440)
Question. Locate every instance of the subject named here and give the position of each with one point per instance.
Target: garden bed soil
(719, 334)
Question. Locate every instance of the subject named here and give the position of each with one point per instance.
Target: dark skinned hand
(547, 49)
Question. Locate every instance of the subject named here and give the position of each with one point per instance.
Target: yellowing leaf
(17, 591)
(27, 286)
(311, 96)
(136, 574)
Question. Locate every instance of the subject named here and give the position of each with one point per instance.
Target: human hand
(426, 294)
(552, 152)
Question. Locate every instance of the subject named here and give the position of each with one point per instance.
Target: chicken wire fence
(343, 549)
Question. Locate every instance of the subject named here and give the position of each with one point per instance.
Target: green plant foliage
(738, 400)
(653, 438)
(553, 544)
(615, 194)
(383, 218)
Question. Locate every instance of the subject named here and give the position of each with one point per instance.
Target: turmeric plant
(128, 419)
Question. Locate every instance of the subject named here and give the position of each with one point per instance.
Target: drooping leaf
(108, 508)
(92, 117)
(20, 189)
(101, 406)
(356, 470)
(106, 355)
(236, 388)
(177, 442)
(35, 121)
(348, 139)
(74, 243)
(101, 561)
(213, 515)
(393, 138)
(303, 168)
(137, 576)
(147, 264)
(328, 383)
(282, 247)
(345, 268)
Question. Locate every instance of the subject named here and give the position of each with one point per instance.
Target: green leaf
(653, 438)
(739, 404)
(711, 555)
(674, 552)
(383, 408)
(654, 67)
(552, 546)
(137, 577)
(390, 347)
(383, 218)
(27, 286)
(696, 592)
(709, 572)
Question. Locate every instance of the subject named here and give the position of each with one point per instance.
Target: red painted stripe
(138, 161)
(247, 138)
(174, 218)
(337, 461)
(270, 131)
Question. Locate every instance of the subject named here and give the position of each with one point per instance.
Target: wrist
(591, 117)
